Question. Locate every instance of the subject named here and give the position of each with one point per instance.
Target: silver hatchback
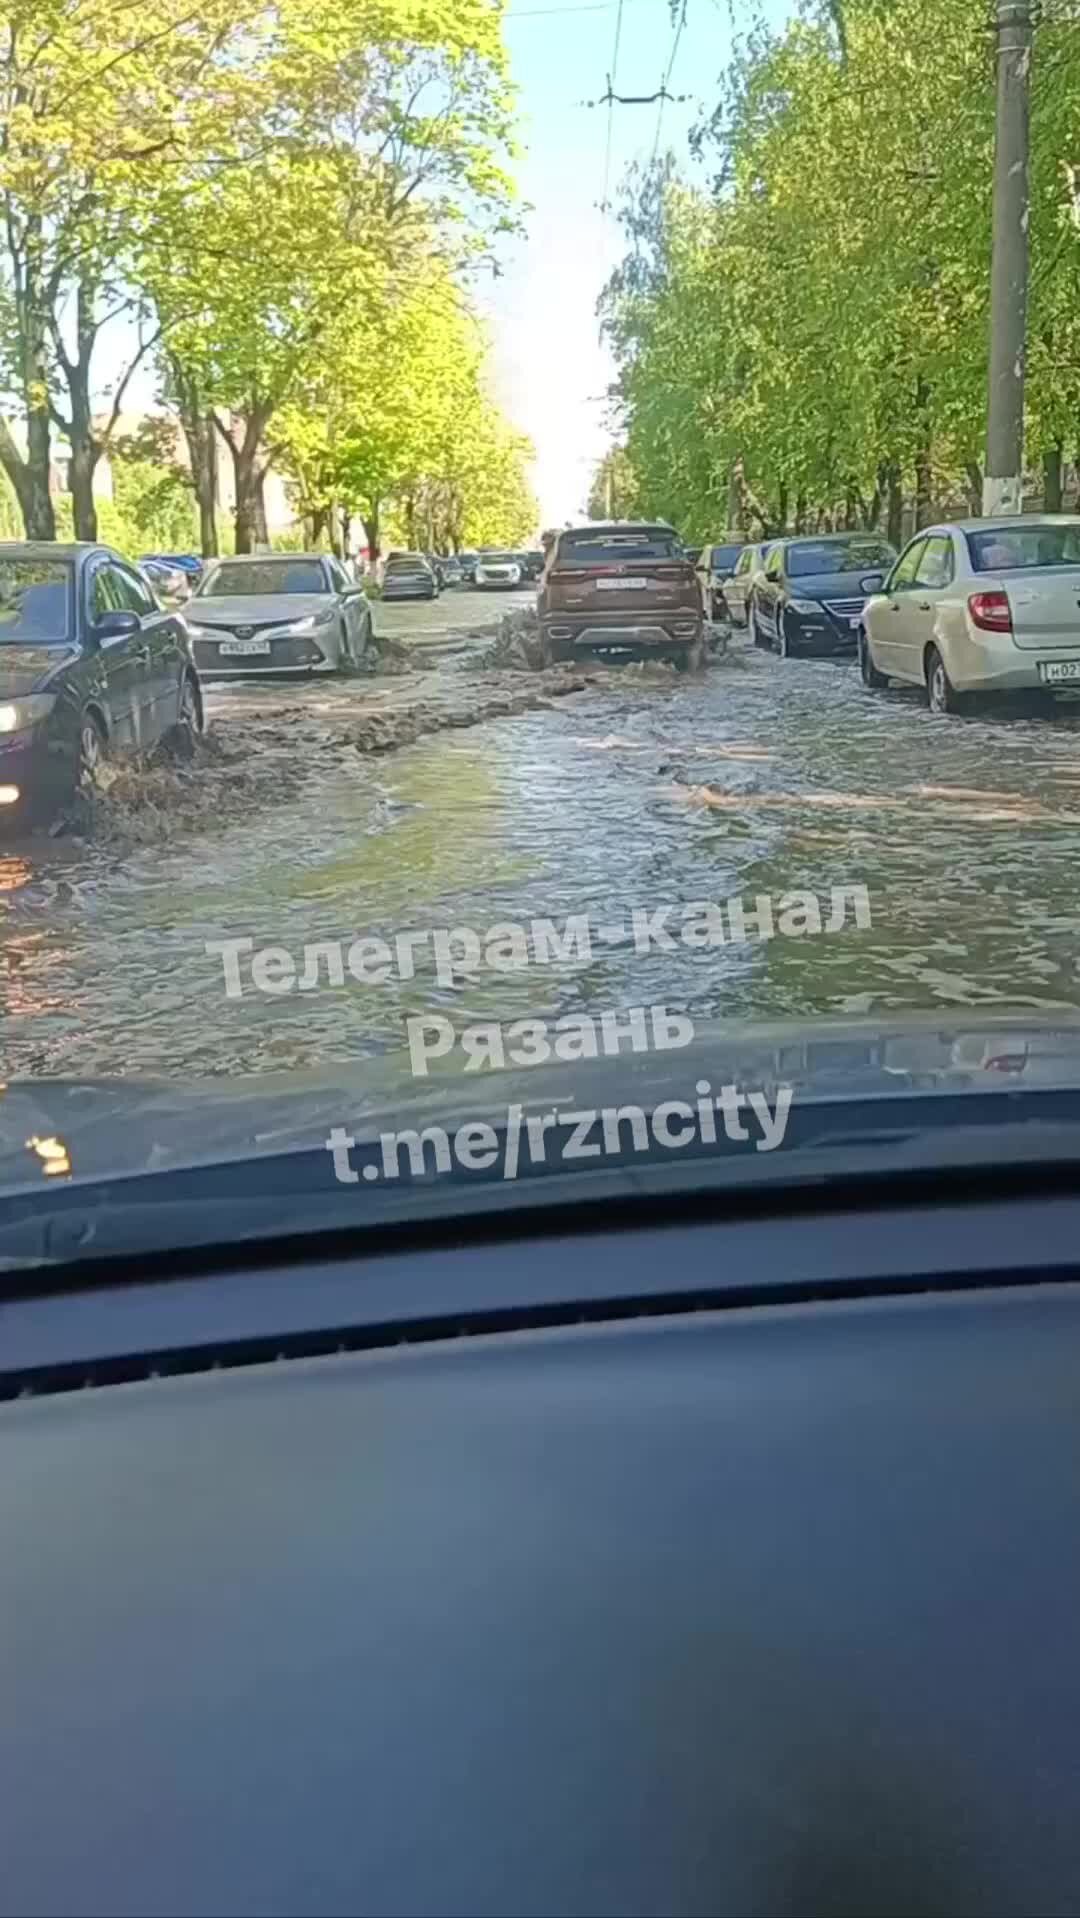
(979, 606)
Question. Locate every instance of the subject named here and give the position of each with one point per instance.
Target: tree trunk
(35, 498)
(1052, 479)
(23, 479)
(262, 536)
(894, 502)
(319, 519)
(202, 449)
(371, 521)
(84, 459)
(800, 513)
(410, 521)
(243, 436)
(924, 485)
(973, 475)
(782, 505)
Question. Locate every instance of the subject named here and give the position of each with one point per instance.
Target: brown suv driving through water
(624, 586)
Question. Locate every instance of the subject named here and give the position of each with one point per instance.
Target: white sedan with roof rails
(979, 606)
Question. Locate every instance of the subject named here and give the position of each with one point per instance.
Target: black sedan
(812, 592)
(90, 666)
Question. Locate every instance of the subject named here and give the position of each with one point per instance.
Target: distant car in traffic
(280, 613)
(625, 586)
(498, 569)
(979, 606)
(91, 667)
(810, 595)
(189, 563)
(408, 576)
(738, 589)
(167, 580)
(715, 565)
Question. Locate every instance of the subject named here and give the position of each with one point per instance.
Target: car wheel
(180, 739)
(871, 678)
(941, 695)
(690, 659)
(93, 751)
(348, 664)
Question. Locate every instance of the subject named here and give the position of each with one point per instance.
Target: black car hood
(111, 1128)
(28, 669)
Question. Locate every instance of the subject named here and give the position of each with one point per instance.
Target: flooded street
(641, 788)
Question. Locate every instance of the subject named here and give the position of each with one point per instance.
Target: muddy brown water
(642, 789)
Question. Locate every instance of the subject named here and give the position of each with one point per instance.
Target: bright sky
(551, 371)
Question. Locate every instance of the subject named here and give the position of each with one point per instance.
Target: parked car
(165, 579)
(189, 563)
(623, 586)
(498, 570)
(534, 563)
(467, 562)
(810, 595)
(452, 572)
(408, 576)
(91, 667)
(979, 606)
(738, 589)
(278, 613)
(715, 565)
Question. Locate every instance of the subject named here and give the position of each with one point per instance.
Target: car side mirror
(117, 625)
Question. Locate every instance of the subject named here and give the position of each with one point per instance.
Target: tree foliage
(806, 342)
(249, 193)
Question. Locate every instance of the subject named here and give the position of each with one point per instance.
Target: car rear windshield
(407, 563)
(1024, 547)
(724, 555)
(502, 559)
(608, 549)
(838, 556)
(264, 576)
(35, 601)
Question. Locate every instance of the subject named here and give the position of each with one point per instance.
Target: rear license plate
(1054, 670)
(620, 585)
(233, 646)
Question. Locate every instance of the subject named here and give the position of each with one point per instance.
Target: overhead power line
(612, 76)
(664, 94)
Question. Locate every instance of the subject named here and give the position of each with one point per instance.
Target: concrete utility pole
(1003, 482)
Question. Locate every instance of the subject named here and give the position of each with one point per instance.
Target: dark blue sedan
(91, 666)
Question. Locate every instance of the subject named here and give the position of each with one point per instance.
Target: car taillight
(991, 611)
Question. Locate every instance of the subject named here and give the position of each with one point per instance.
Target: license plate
(620, 585)
(233, 646)
(1053, 670)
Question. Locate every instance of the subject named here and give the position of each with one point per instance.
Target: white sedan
(979, 606)
(499, 569)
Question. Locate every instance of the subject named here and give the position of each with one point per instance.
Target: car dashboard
(717, 1564)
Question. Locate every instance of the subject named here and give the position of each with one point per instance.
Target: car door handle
(924, 606)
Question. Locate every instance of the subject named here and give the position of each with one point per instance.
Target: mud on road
(457, 791)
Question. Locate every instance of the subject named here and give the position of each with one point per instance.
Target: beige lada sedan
(979, 606)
